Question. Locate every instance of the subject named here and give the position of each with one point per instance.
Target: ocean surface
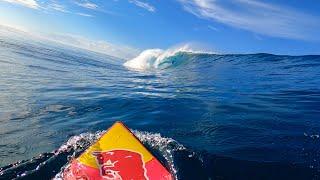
(204, 115)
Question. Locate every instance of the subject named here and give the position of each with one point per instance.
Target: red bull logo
(121, 165)
(117, 155)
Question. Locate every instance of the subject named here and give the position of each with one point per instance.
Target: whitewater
(152, 59)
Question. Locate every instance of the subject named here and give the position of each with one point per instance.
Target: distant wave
(161, 59)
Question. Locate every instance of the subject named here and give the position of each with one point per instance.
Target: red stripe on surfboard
(78, 171)
(156, 171)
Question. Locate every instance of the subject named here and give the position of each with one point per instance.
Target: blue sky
(234, 26)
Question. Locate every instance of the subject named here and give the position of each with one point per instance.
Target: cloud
(55, 6)
(143, 5)
(11, 27)
(213, 28)
(100, 46)
(84, 14)
(58, 7)
(258, 17)
(27, 3)
(87, 4)
(93, 6)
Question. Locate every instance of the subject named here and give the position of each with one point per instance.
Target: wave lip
(146, 60)
(151, 59)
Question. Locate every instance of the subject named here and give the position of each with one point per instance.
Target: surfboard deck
(117, 155)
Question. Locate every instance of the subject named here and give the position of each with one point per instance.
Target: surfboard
(117, 155)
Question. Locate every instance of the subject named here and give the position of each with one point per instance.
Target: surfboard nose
(117, 154)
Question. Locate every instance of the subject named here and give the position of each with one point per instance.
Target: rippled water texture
(224, 116)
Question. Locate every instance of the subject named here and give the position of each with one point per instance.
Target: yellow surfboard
(117, 155)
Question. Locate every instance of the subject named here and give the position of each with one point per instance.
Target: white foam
(153, 58)
(146, 60)
(80, 142)
(166, 146)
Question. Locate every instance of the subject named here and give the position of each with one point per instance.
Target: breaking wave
(151, 59)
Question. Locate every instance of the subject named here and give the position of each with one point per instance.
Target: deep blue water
(252, 116)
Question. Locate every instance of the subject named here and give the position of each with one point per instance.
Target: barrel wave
(157, 59)
(203, 115)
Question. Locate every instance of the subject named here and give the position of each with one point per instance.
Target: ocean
(203, 115)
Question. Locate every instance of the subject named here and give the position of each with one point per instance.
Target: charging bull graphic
(117, 155)
(120, 165)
